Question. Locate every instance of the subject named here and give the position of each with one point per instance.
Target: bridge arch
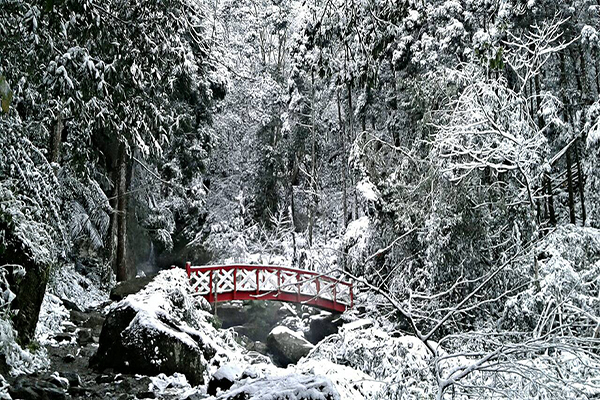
(218, 283)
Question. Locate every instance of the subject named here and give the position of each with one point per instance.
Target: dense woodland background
(440, 150)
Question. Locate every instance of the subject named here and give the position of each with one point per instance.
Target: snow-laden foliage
(19, 360)
(84, 290)
(67, 283)
(356, 241)
(400, 362)
(30, 195)
(53, 316)
(569, 267)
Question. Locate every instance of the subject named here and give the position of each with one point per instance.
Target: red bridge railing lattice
(258, 282)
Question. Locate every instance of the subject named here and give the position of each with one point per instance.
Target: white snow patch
(290, 387)
(52, 319)
(367, 190)
(228, 371)
(67, 283)
(161, 383)
(350, 383)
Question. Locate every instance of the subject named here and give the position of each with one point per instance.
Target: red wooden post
(188, 269)
(351, 296)
(278, 281)
(197, 276)
(257, 281)
(298, 282)
(210, 290)
(234, 281)
(318, 283)
(335, 291)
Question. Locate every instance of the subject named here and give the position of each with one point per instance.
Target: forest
(443, 155)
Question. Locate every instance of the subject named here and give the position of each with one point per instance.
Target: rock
(63, 337)
(223, 379)
(78, 317)
(145, 395)
(33, 388)
(25, 393)
(142, 335)
(124, 289)
(94, 322)
(323, 325)
(69, 327)
(59, 381)
(71, 306)
(259, 347)
(287, 346)
(73, 378)
(79, 391)
(69, 358)
(254, 319)
(298, 387)
(84, 336)
(105, 379)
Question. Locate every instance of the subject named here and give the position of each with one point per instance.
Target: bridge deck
(268, 282)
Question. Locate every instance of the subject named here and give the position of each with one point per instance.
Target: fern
(92, 225)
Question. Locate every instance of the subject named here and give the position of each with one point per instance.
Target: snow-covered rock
(363, 360)
(224, 378)
(287, 346)
(289, 387)
(162, 329)
(322, 325)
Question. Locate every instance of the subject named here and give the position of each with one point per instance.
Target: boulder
(223, 379)
(132, 286)
(323, 325)
(297, 387)
(35, 387)
(158, 330)
(287, 346)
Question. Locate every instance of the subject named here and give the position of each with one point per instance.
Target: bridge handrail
(193, 268)
(301, 276)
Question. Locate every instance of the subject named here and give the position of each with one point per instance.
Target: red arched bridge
(258, 282)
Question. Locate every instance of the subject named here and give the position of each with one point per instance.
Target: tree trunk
(111, 242)
(121, 256)
(352, 138)
(56, 144)
(344, 162)
(585, 84)
(570, 188)
(29, 289)
(580, 182)
(597, 78)
(395, 133)
(313, 169)
(550, 200)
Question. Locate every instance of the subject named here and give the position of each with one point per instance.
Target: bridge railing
(259, 282)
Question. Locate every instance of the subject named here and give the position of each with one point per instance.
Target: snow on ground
(175, 384)
(53, 317)
(349, 383)
(21, 361)
(374, 362)
(288, 387)
(65, 283)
